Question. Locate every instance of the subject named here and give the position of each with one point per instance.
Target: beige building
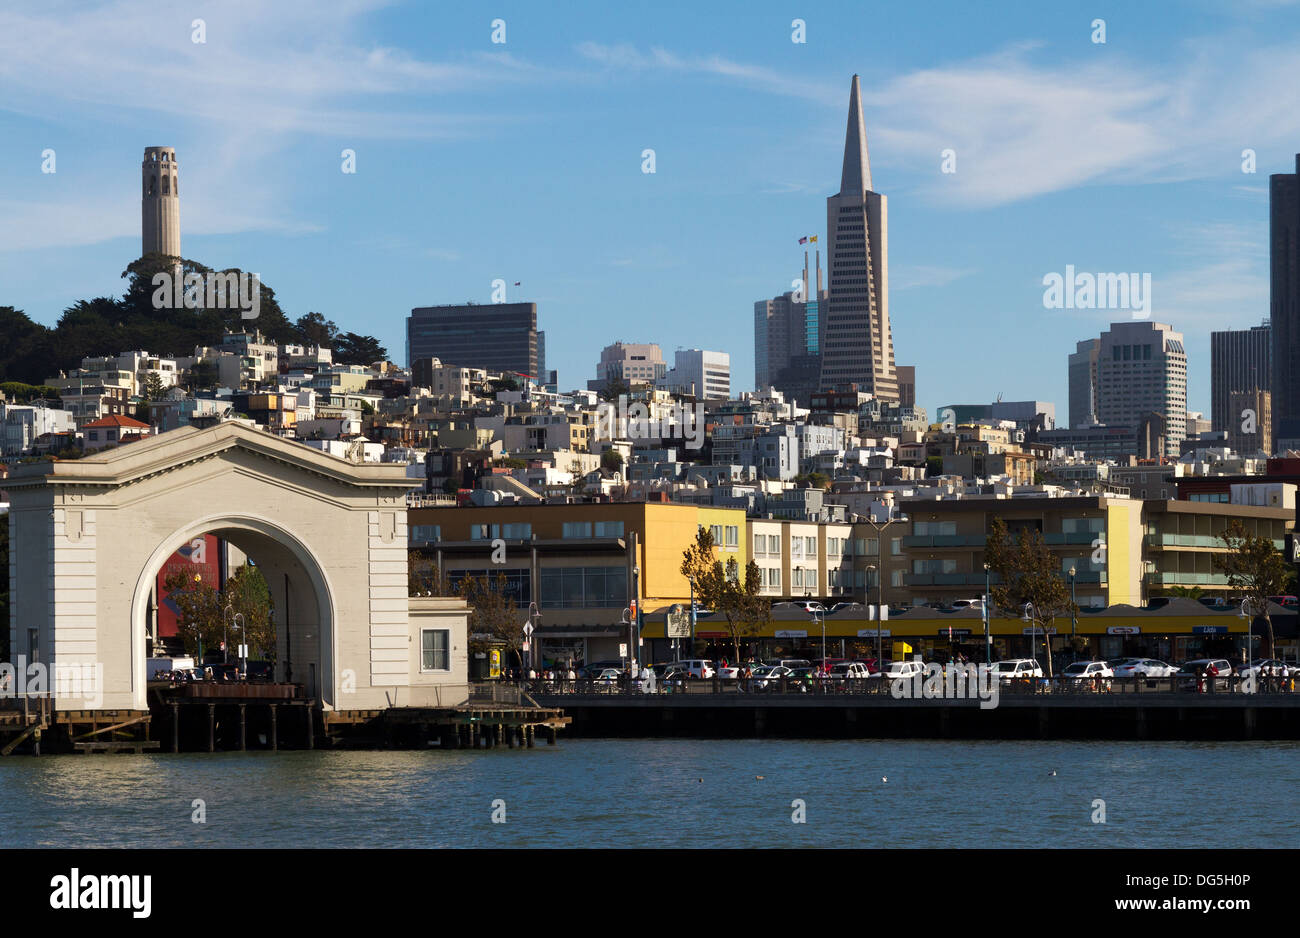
(90, 536)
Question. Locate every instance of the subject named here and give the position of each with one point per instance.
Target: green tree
(493, 612)
(719, 586)
(611, 460)
(199, 623)
(248, 596)
(422, 574)
(1255, 568)
(1027, 572)
(4, 586)
(353, 349)
(16, 392)
(816, 480)
(315, 329)
(613, 388)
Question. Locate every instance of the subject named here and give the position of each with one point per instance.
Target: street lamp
(1030, 617)
(243, 640)
(988, 639)
(530, 626)
(225, 650)
(1250, 630)
(815, 617)
(627, 620)
(880, 580)
(1074, 621)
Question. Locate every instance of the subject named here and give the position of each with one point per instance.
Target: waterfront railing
(875, 686)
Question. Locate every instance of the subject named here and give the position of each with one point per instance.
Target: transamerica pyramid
(857, 341)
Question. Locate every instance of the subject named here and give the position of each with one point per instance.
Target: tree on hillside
(353, 349)
(1027, 572)
(1255, 568)
(719, 587)
(611, 460)
(613, 389)
(315, 329)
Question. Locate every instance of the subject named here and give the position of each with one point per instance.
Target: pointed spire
(856, 175)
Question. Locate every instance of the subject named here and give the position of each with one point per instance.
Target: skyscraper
(1240, 360)
(1083, 384)
(1284, 301)
(787, 338)
(1141, 371)
(493, 336)
(857, 343)
(160, 203)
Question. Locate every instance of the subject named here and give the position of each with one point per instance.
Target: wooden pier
(212, 717)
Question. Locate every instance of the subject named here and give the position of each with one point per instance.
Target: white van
(696, 667)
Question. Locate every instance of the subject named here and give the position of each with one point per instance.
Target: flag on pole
(803, 240)
(813, 239)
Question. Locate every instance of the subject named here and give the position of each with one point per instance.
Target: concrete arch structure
(89, 536)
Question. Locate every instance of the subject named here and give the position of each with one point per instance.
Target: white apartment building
(702, 374)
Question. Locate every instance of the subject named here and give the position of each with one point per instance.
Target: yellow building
(582, 564)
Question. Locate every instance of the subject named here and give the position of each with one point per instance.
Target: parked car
(696, 667)
(729, 673)
(967, 604)
(1013, 668)
(901, 670)
(1144, 667)
(850, 670)
(804, 604)
(1266, 667)
(769, 675)
(1190, 674)
(791, 662)
(606, 676)
(1092, 671)
(1214, 602)
(842, 606)
(1288, 602)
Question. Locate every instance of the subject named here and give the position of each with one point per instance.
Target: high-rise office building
(787, 338)
(857, 343)
(1284, 301)
(1083, 384)
(160, 202)
(629, 363)
(1251, 430)
(1240, 360)
(906, 385)
(703, 374)
(1141, 371)
(498, 337)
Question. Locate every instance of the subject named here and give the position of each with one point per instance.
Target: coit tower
(160, 203)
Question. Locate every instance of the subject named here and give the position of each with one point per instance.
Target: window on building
(796, 548)
(421, 534)
(760, 545)
(896, 546)
(774, 544)
(435, 650)
(577, 529)
(810, 546)
(519, 531)
(609, 529)
(896, 578)
(584, 587)
(733, 535)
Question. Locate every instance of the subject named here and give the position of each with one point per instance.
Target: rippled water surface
(653, 793)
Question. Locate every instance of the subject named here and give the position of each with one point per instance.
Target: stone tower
(160, 203)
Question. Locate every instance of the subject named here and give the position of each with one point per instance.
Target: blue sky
(522, 161)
